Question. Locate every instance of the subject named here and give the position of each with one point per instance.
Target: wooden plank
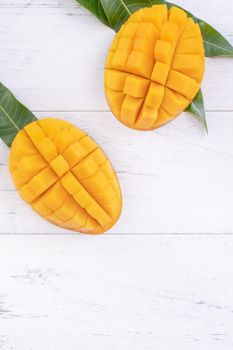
(215, 13)
(175, 179)
(116, 293)
(61, 67)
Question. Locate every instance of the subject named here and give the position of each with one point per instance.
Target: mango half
(154, 67)
(65, 176)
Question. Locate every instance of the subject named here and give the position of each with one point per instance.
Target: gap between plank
(216, 234)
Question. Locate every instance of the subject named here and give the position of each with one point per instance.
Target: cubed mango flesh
(65, 176)
(154, 67)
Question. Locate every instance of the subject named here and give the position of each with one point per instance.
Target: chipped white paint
(136, 292)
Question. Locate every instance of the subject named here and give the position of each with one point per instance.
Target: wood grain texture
(116, 293)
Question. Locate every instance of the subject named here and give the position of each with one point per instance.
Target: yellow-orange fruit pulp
(154, 67)
(65, 176)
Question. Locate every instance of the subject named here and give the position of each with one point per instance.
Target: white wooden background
(162, 278)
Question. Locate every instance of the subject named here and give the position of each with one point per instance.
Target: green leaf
(95, 7)
(115, 12)
(118, 11)
(214, 42)
(196, 108)
(13, 116)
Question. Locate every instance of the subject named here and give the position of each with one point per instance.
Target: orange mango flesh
(65, 177)
(154, 67)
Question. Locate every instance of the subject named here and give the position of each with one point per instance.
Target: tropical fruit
(154, 67)
(65, 176)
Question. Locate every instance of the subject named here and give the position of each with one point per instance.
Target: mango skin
(65, 176)
(154, 67)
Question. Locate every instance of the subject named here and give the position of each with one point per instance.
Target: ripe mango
(65, 177)
(154, 67)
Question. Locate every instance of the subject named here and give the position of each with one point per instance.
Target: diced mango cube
(27, 193)
(108, 172)
(85, 169)
(35, 132)
(30, 166)
(83, 198)
(140, 64)
(136, 86)
(156, 15)
(130, 109)
(23, 146)
(50, 127)
(60, 165)
(191, 65)
(178, 16)
(119, 59)
(42, 181)
(160, 73)
(67, 210)
(71, 184)
(79, 219)
(74, 154)
(181, 83)
(129, 29)
(147, 30)
(97, 212)
(115, 80)
(173, 102)
(54, 197)
(63, 140)
(137, 17)
(163, 118)
(190, 46)
(89, 144)
(163, 52)
(115, 100)
(169, 32)
(144, 45)
(125, 43)
(76, 133)
(155, 96)
(99, 157)
(192, 30)
(148, 116)
(106, 197)
(47, 149)
(97, 183)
